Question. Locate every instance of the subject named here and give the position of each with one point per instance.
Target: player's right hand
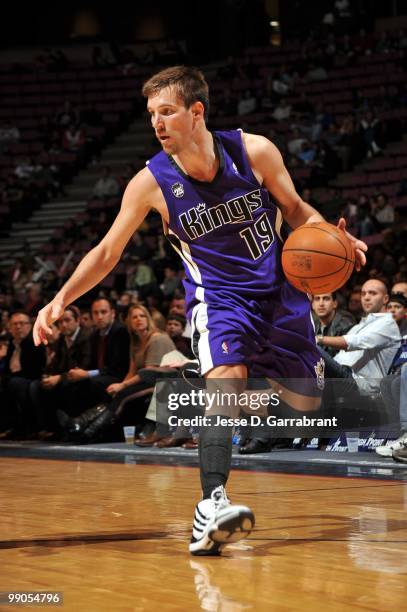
(47, 315)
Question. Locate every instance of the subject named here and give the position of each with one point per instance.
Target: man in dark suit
(109, 357)
(71, 350)
(24, 363)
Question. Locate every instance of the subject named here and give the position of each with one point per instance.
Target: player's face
(373, 297)
(323, 304)
(397, 310)
(172, 122)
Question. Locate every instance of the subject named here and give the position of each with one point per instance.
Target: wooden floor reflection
(114, 537)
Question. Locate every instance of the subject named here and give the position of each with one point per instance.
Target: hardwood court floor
(114, 537)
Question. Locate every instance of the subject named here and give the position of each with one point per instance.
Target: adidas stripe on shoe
(217, 523)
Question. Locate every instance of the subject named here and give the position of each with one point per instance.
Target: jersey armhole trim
(247, 158)
(170, 215)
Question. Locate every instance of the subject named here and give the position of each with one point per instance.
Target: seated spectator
(282, 111)
(370, 129)
(247, 104)
(397, 307)
(365, 221)
(156, 431)
(9, 134)
(106, 186)
(295, 143)
(137, 248)
(24, 169)
(122, 304)
(175, 329)
(50, 348)
(109, 359)
(350, 212)
(67, 115)
(368, 349)
(282, 83)
(394, 386)
(13, 193)
(400, 287)
(140, 277)
(316, 73)
(71, 350)
(307, 153)
(177, 306)
(86, 321)
(350, 147)
(171, 281)
(34, 300)
(383, 211)
(329, 321)
(99, 57)
(73, 138)
(23, 364)
(147, 347)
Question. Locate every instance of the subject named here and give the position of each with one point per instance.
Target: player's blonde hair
(189, 84)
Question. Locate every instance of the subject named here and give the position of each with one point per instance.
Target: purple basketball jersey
(226, 231)
(228, 234)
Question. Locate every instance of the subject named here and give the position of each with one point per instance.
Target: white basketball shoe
(396, 445)
(217, 522)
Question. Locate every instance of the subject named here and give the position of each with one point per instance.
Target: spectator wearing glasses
(23, 364)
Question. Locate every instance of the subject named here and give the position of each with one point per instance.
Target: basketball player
(211, 190)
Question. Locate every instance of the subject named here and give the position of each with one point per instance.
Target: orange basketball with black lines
(318, 258)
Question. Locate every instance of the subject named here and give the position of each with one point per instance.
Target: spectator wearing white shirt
(106, 186)
(9, 134)
(282, 111)
(24, 169)
(247, 104)
(384, 212)
(295, 143)
(367, 350)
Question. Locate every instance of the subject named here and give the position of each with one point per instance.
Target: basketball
(318, 258)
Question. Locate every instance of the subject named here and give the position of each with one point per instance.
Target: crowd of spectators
(317, 137)
(74, 372)
(100, 354)
(38, 161)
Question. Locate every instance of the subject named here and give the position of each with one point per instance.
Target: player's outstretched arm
(101, 259)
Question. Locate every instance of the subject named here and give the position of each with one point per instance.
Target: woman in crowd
(148, 345)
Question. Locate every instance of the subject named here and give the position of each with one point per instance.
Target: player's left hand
(360, 246)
